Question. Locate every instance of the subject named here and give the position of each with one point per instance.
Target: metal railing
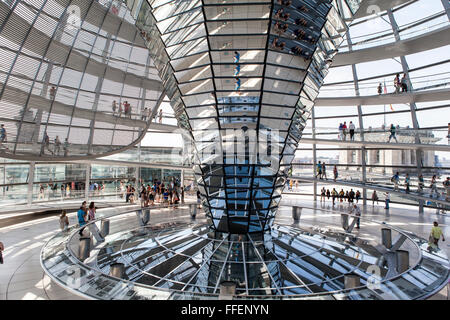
(59, 262)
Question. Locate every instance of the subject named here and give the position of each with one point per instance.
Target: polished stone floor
(22, 278)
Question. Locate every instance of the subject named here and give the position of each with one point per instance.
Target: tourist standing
(352, 128)
(64, 221)
(81, 214)
(374, 197)
(357, 196)
(41, 192)
(404, 83)
(341, 133)
(387, 199)
(57, 146)
(319, 170)
(392, 135)
(46, 143)
(335, 173)
(421, 184)
(356, 212)
(52, 93)
(448, 134)
(91, 212)
(351, 196)
(114, 107)
(395, 179)
(66, 147)
(407, 181)
(120, 109)
(397, 83)
(144, 114)
(237, 57)
(344, 131)
(334, 195)
(323, 193)
(324, 171)
(446, 184)
(3, 137)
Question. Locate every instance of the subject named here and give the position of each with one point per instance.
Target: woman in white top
(91, 211)
(352, 129)
(64, 221)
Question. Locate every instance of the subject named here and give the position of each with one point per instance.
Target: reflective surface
(63, 64)
(241, 74)
(189, 261)
(286, 261)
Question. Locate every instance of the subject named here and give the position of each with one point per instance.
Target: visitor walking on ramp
(392, 131)
(435, 236)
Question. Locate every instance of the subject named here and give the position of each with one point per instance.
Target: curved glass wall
(241, 74)
(75, 79)
(107, 59)
(62, 182)
(421, 127)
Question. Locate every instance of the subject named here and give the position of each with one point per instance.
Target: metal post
(84, 248)
(386, 237)
(352, 281)
(361, 125)
(402, 257)
(137, 186)
(104, 228)
(146, 217)
(227, 290)
(59, 32)
(313, 123)
(143, 217)
(182, 186)
(193, 210)
(4, 180)
(344, 221)
(412, 106)
(88, 179)
(117, 270)
(296, 213)
(446, 5)
(31, 182)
